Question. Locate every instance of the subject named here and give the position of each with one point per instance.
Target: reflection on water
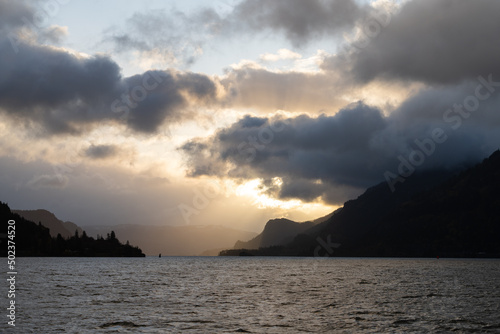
(256, 295)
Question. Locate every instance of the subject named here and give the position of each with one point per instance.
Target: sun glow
(259, 195)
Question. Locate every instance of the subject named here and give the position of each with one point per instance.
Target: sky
(238, 111)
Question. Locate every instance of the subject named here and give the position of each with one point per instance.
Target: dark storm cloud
(66, 93)
(41, 76)
(306, 190)
(310, 154)
(154, 97)
(299, 20)
(336, 157)
(443, 41)
(101, 151)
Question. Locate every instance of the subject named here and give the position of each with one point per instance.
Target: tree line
(35, 240)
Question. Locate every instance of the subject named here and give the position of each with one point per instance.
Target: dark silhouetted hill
(49, 220)
(430, 214)
(276, 232)
(279, 232)
(460, 218)
(35, 240)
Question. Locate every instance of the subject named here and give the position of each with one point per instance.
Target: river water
(255, 295)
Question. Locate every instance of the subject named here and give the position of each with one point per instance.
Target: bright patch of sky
(87, 22)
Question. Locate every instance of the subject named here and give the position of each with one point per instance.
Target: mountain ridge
(48, 219)
(31, 239)
(180, 237)
(384, 223)
(279, 231)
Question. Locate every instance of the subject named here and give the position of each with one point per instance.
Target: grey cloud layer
(294, 91)
(446, 44)
(299, 20)
(11, 14)
(443, 42)
(92, 195)
(338, 156)
(65, 93)
(101, 151)
(150, 99)
(313, 156)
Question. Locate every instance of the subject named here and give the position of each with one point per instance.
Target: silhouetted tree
(35, 240)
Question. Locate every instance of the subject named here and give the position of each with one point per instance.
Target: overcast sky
(236, 112)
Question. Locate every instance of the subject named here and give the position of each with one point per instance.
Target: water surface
(256, 295)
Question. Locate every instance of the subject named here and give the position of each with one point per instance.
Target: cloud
(106, 195)
(154, 97)
(250, 86)
(63, 92)
(12, 14)
(306, 152)
(57, 91)
(54, 34)
(24, 20)
(40, 76)
(336, 157)
(101, 151)
(340, 152)
(48, 181)
(282, 54)
(299, 20)
(93, 195)
(306, 190)
(436, 42)
(177, 38)
(163, 39)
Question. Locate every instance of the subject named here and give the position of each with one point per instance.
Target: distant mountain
(174, 240)
(279, 232)
(276, 232)
(168, 240)
(430, 214)
(355, 213)
(49, 220)
(32, 239)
